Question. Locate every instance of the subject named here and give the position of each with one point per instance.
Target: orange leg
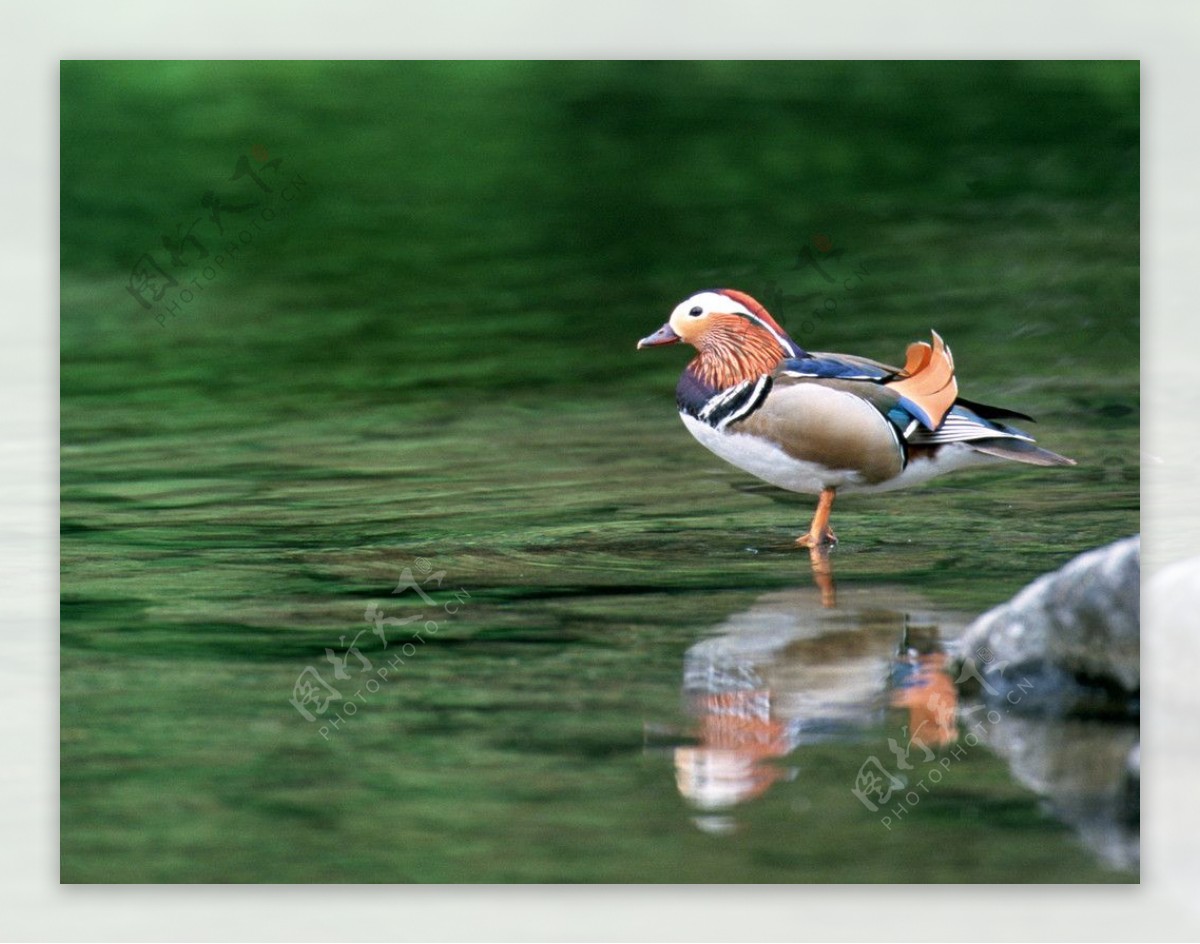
(819, 532)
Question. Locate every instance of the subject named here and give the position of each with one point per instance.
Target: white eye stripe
(710, 301)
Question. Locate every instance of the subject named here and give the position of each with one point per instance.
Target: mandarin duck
(823, 423)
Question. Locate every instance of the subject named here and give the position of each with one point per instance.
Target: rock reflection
(1087, 772)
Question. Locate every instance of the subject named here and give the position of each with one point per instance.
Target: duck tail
(1020, 451)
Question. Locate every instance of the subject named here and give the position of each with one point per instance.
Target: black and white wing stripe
(960, 426)
(736, 403)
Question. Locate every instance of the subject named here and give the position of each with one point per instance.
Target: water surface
(422, 374)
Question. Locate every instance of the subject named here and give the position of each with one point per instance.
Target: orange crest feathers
(753, 305)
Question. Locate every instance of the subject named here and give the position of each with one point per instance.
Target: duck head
(736, 336)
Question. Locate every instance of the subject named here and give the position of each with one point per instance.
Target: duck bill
(664, 335)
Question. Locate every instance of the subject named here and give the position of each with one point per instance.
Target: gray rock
(1068, 642)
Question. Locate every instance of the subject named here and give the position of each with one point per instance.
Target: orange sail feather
(927, 380)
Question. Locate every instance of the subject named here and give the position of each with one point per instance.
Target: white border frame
(1165, 35)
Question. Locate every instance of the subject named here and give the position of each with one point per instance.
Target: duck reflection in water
(791, 670)
(822, 571)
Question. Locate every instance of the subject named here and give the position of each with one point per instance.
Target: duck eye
(696, 312)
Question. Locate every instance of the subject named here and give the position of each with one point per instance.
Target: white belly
(768, 462)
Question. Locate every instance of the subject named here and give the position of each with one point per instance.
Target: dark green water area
(385, 557)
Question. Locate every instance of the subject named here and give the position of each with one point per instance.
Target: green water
(425, 359)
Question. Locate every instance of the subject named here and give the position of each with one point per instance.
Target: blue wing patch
(918, 413)
(832, 367)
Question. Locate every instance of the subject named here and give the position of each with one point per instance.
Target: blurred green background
(425, 349)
